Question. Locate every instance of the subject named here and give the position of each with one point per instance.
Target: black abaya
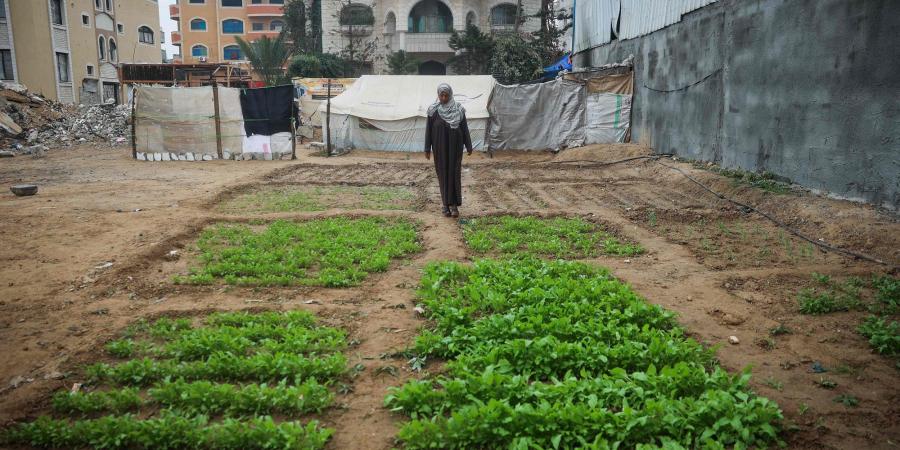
(448, 144)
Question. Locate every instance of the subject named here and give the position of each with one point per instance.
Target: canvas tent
(388, 112)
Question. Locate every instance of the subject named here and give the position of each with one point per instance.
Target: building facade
(207, 28)
(419, 27)
(69, 50)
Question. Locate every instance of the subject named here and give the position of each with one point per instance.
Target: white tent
(388, 112)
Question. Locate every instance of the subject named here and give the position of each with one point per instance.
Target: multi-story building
(207, 28)
(422, 28)
(69, 50)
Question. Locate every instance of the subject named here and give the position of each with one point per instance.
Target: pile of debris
(31, 124)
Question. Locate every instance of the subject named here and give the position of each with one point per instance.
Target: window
(257, 26)
(197, 1)
(62, 67)
(232, 52)
(86, 20)
(6, 67)
(470, 19)
(2, 9)
(237, 3)
(113, 51)
(256, 2)
(276, 25)
(121, 28)
(109, 5)
(232, 26)
(145, 34)
(199, 51)
(430, 16)
(56, 12)
(357, 15)
(98, 4)
(198, 25)
(503, 15)
(90, 69)
(276, 2)
(101, 48)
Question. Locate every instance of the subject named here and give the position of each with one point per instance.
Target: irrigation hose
(800, 235)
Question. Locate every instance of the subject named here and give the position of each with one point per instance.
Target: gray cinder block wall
(806, 89)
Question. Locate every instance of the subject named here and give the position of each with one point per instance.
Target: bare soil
(726, 272)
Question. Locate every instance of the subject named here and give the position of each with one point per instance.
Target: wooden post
(134, 123)
(218, 119)
(328, 118)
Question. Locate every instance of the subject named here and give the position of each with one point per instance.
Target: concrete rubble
(31, 124)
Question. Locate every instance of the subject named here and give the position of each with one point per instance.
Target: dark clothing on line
(448, 144)
(267, 111)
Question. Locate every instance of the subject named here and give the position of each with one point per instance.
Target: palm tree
(268, 58)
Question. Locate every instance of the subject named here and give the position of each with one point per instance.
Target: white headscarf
(451, 111)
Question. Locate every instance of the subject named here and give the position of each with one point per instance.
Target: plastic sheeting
(175, 121)
(608, 118)
(537, 116)
(404, 135)
(389, 112)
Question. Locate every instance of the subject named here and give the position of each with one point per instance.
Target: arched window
(113, 51)
(198, 25)
(276, 25)
(503, 15)
(232, 53)
(390, 23)
(430, 16)
(199, 51)
(109, 6)
(101, 48)
(233, 26)
(145, 34)
(357, 15)
(471, 19)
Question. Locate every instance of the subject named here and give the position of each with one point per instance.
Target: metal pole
(215, 87)
(328, 118)
(134, 123)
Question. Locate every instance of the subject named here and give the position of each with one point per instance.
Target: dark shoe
(454, 211)
(446, 211)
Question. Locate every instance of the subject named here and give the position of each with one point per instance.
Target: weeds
(883, 335)
(829, 297)
(847, 400)
(774, 384)
(766, 181)
(558, 237)
(335, 252)
(779, 330)
(559, 355)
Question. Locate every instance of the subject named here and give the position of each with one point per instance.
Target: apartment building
(419, 27)
(207, 28)
(69, 50)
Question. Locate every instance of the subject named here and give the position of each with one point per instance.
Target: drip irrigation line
(595, 163)
(800, 235)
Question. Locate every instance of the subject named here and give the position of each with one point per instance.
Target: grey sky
(168, 25)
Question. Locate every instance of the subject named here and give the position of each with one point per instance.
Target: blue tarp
(564, 63)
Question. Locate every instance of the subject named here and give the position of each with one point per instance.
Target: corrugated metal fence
(598, 22)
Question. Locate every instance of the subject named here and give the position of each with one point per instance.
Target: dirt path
(725, 272)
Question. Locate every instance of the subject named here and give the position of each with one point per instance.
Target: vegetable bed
(562, 355)
(559, 237)
(334, 252)
(216, 387)
(304, 198)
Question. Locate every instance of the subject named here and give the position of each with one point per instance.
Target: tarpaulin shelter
(564, 63)
(388, 112)
(566, 112)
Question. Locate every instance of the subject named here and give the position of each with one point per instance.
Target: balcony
(428, 43)
(356, 30)
(261, 10)
(174, 12)
(176, 38)
(254, 35)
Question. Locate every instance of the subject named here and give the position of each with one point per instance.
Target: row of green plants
(879, 295)
(557, 354)
(559, 237)
(333, 252)
(319, 198)
(216, 385)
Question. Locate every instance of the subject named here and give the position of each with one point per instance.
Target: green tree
(315, 24)
(514, 60)
(268, 58)
(547, 40)
(295, 27)
(473, 51)
(333, 66)
(401, 63)
(305, 66)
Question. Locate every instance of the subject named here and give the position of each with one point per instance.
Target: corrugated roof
(595, 20)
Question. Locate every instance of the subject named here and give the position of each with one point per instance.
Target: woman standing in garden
(447, 133)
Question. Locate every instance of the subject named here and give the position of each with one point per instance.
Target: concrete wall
(807, 89)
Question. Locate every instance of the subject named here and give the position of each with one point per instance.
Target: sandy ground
(726, 272)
